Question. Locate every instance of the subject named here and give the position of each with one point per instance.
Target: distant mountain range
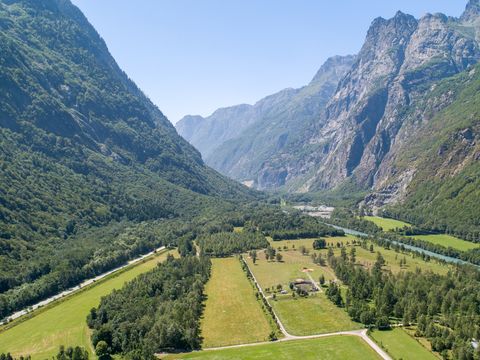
(398, 121)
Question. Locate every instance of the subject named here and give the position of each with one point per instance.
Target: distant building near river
(316, 211)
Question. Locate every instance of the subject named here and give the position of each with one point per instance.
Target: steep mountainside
(81, 147)
(432, 179)
(238, 140)
(401, 58)
(206, 134)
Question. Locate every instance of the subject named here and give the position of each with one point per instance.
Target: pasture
(314, 314)
(400, 345)
(64, 322)
(448, 241)
(386, 224)
(328, 348)
(232, 314)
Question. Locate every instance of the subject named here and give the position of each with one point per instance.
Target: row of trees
(435, 302)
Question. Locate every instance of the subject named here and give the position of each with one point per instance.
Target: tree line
(445, 308)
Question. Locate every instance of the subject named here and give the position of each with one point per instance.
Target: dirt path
(360, 333)
(289, 337)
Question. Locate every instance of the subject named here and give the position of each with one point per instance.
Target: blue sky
(194, 56)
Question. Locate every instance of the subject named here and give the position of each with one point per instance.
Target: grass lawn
(232, 313)
(386, 224)
(329, 348)
(447, 240)
(400, 345)
(65, 323)
(312, 315)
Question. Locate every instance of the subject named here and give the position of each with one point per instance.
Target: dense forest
(158, 311)
(446, 309)
(228, 243)
(290, 225)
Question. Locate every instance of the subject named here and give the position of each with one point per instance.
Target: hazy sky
(194, 56)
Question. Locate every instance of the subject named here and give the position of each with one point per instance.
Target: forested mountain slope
(81, 148)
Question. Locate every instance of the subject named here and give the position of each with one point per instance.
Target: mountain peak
(334, 62)
(472, 11)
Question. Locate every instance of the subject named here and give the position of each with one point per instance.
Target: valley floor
(64, 322)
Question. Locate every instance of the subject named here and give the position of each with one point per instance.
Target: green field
(312, 315)
(447, 240)
(328, 348)
(295, 261)
(400, 345)
(65, 323)
(386, 224)
(232, 313)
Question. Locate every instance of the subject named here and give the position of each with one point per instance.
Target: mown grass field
(312, 315)
(400, 345)
(386, 224)
(448, 241)
(232, 313)
(329, 348)
(64, 323)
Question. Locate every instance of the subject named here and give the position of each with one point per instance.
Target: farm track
(289, 337)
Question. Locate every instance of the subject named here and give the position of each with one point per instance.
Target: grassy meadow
(328, 348)
(400, 345)
(312, 315)
(232, 313)
(386, 224)
(448, 241)
(64, 322)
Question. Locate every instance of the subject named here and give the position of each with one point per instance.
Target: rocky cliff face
(364, 121)
(240, 140)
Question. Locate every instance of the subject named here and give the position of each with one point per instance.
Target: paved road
(289, 337)
(42, 303)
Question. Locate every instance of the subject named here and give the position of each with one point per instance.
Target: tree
(102, 350)
(253, 255)
(353, 253)
(321, 280)
(371, 248)
(278, 257)
(319, 244)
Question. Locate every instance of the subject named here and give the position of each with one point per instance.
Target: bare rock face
(365, 119)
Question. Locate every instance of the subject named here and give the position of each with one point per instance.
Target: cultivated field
(448, 241)
(386, 224)
(312, 315)
(64, 323)
(400, 345)
(328, 348)
(232, 313)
